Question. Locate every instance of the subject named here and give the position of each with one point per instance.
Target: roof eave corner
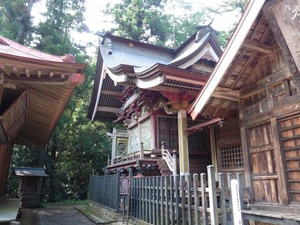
(252, 10)
(76, 78)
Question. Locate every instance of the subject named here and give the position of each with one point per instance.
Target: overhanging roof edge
(246, 21)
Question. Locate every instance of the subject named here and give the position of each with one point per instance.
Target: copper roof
(127, 63)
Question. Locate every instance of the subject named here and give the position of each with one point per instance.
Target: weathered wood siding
(5, 156)
(290, 138)
(270, 129)
(262, 163)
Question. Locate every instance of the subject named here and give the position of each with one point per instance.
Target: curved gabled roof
(130, 63)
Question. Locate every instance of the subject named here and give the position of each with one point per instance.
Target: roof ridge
(29, 50)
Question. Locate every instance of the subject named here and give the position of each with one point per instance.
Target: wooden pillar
(114, 145)
(118, 137)
(153, 133)
(5, 156)
(213, 147)
(183, 142)
(279, 159)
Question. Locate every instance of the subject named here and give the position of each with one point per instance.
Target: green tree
(141, 20)
(16, 20)
(77, 147)
(228, 6)
(62, 17)
(156, 21)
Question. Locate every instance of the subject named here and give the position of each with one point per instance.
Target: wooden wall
(270, 130)
(5, 155)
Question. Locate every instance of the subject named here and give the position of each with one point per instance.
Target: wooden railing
(133, 156)
(147, 154)
(169, 159)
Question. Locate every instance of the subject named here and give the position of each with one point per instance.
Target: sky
(97, 22)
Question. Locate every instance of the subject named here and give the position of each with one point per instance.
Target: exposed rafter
(257, 46)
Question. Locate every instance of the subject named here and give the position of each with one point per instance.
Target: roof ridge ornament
(68, 58)
(202, 30)
(107, 45)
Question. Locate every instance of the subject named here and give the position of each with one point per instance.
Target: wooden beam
(12, 81)
(110, 92)
(257, 46)
(245, 67)
(108, 109)
(264, 83)
(226, 93)
(39, 73)
(174, 90)
(27, 72)
(233, 65)
(219, 107)
(2, 67)
(16, 71)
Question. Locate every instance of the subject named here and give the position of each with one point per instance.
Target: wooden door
(289, 131)
(262, 164)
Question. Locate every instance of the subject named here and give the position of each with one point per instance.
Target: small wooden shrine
(30, 185)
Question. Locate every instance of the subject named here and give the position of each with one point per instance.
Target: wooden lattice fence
(187, 199)
(105, 190)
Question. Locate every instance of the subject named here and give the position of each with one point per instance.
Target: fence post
(177, 198)
(172, 196)
(236, 203)
(118, 195)
(203, 199)
(189, 199)
(174, 163)
(183, 199)
(104, 189)
(196, 197)
(229, 178)
(212, 195)
(240, 182)
(157, 199)
(222, 199)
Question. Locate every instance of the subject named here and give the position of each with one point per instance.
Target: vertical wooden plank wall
(289, 132)
(5, 156)
(263, 165)
(268, 112)
(105, 191)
